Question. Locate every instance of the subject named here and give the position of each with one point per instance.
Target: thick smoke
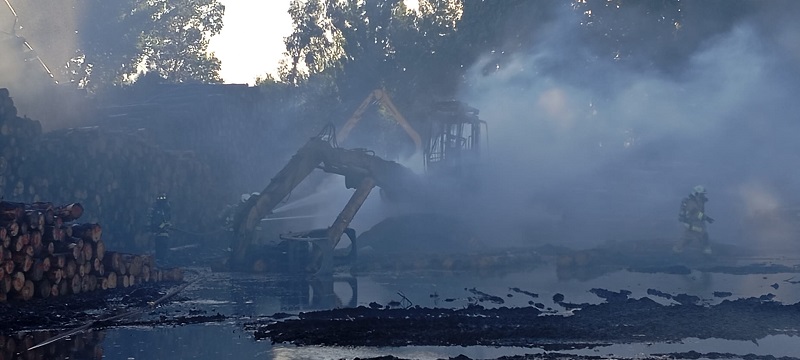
(35, 46)
(586, 148)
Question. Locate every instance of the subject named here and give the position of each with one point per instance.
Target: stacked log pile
(16, 134)
(117, 175)
(46, 253)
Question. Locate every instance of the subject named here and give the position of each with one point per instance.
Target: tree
(313, 46)
(119, 39)
(177, 44)
(366, 44)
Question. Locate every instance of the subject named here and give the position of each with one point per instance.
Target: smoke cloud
(586, 148)
(37, 39)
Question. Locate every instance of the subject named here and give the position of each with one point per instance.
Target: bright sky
(251, 41)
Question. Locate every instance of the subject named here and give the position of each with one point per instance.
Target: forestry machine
(381, 97)
(362, 171)
(454, 139)
(454, 142)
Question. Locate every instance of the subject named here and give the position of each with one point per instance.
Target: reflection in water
(286, 352)
(254, 295)
(242, 297)
(698, 282)
(319, 293)
(86, 345)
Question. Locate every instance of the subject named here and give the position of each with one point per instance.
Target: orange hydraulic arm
(383, 99)
(362, 170)
(258, 206)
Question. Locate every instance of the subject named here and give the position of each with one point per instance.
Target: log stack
(45, 252)
(117, 175)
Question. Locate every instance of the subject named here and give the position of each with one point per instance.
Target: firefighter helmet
(699, 189)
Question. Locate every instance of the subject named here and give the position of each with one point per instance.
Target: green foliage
(340, 35)
(176, 45)
(119, 39)
(363, 45)
(655, 34)
(313, 46)
(420, 55)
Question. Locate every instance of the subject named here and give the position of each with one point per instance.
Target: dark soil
(420, 233)
(559, 356)
(75, 310)
(618, 320)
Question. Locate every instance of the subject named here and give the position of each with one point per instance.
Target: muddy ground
(618, 320)
(72, 311)
(565, 325)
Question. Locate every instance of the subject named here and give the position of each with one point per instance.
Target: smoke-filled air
(415, 179)
(599, 147)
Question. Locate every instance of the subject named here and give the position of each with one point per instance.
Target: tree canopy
(119, 39)
(96, 43)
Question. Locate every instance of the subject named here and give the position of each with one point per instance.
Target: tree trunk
(134, 264)
(70, 212)
(11, 211)
(145, 273)
(88, 252)
(23, 261)
(12, 228)
(34, 219)
(87, 232)
(112, 280)
(75, 284)
(44, 289)
(36, 273)
(7, 284)
(55, 276)
(100, 250)
(9, 266)
(47, 210)
(113, 260)
(70, 269)
(64, 287)
(27, 291)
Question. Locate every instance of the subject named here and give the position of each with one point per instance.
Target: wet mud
(619, 319)
(691, 355)
(75, 310)
(484, 317)
(658, 317)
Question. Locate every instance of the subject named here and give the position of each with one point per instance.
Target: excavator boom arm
(257, 207)
(383, 98)
(362, 170)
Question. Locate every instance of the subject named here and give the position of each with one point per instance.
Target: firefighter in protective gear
(694, 218)
(230, 212)
(160, 223)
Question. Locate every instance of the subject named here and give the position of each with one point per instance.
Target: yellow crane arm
(381, 96)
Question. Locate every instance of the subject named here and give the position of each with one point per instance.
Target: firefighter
(160, 224)
(694, 218)
(229, 214)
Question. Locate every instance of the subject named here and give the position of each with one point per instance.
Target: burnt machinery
(362, 171)
(455, 140)
(382, 99)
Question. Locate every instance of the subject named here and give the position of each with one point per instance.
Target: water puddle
(242, 298)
